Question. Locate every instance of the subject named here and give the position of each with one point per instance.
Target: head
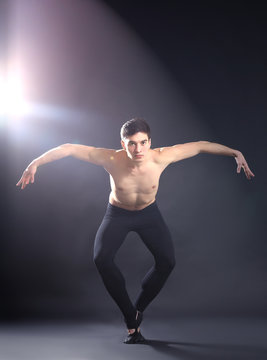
(135, 138)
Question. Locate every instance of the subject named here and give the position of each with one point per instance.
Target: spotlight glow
(11, 94)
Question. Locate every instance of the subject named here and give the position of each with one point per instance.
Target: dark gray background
(194, 72)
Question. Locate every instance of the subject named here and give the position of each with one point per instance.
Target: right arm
(98, 156)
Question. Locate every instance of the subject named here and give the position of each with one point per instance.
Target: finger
(251, 173)
(25, 183)
(21, 182)
(248, 172)
(247, 167)
(239, 168)
(247, 175)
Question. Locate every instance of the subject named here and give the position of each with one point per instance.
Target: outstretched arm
(184, 151)
(98, 156)
(213, 148)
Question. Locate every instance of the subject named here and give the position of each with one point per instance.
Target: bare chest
(140, 181)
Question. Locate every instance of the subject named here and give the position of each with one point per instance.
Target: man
(134, 176)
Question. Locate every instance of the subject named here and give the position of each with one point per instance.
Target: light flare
(11, 94)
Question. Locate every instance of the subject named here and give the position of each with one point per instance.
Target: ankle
(132, 331)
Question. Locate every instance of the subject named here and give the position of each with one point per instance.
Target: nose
(138, 148)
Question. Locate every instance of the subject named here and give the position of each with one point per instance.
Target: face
(137, 146)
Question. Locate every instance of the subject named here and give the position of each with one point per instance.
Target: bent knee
(167, 265)
(99, 260)
(102, 262)
(171, 264)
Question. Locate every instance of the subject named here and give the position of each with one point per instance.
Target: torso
(134, 188)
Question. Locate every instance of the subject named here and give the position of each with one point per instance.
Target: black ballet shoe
(134, 338)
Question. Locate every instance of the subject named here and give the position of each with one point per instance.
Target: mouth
(138, 156)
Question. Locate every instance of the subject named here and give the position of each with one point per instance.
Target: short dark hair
(134, 126)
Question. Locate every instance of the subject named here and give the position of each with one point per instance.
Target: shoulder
(161, 155)
(115, 159)
(119, 155)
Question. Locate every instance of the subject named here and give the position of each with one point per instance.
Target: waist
(119, 210)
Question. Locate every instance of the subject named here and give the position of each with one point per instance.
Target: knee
(101, 262)
(168, 264)
(171, 264)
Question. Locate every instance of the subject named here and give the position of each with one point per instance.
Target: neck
(136, 164)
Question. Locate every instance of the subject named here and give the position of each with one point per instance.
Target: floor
(184, 339)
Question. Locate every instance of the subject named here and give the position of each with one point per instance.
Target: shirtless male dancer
(134, 176)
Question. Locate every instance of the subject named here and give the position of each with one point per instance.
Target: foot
(135, 337)
(131, 331)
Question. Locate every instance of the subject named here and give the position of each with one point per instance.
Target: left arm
(217, 149)
(183, 151)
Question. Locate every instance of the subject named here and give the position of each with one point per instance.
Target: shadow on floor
(193, 351)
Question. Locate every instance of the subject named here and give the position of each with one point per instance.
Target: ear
(149, 141)
(123, 145)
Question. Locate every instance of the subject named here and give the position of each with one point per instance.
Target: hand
(241, 163)
(27, 176)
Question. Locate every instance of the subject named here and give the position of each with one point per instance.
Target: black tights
(150, 226)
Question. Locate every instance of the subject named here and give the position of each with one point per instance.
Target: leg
(158, 240)
(109, 238)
